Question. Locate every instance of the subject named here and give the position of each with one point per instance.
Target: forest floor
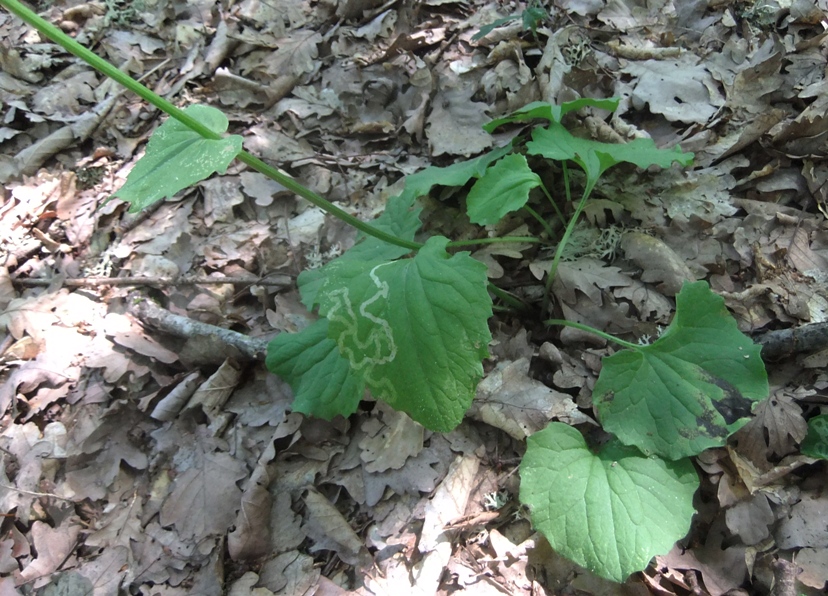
(135, 461)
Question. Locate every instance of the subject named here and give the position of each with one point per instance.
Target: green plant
(532, 16)
(815, 443)
(413, 328)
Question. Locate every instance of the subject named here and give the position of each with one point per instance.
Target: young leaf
(541, 109)
(178, 157)
(421, 183)
(415, 329)
(556, 142)
(610, 512)
(690, 389)
(503, 188)
(322, 380)
(486, 29)
(815, 443)
(400, 218)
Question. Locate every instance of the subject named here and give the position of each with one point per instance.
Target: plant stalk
(594, 331)
(107, 69)
(573, 221)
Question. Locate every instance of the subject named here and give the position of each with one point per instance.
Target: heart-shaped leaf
(610, 511)
(690, 389)
(178, 157)
(503, 188)
(416, 329)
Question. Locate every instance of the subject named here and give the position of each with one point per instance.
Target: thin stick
(157, 282)
(149, 313)
(34, 494)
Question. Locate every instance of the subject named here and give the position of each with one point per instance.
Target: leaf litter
(116, 478)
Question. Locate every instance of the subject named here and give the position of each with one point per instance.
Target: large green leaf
(503, 188)
(815, 443)
(419, 184)
(553, 113)
(556, 142)
(178, 157)
(322, 380)
(400, 218)
(415, 329)
(688, 390)
(610, 512)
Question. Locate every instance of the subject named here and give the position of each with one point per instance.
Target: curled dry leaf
(659, 262)
(509, 399)
(330, 530)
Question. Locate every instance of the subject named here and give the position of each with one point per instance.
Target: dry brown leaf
(800, 527)
(204, 496)
(125, 332)
(509, 399)
(454, 125)
(779, 418)
(213, 393)
(680, 89)
(329, 530)
(750, 519)
(389, 442)
(659, 262)
(53, 546)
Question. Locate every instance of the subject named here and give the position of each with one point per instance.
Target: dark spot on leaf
(733, 405)
(608, 397)
(710, 423)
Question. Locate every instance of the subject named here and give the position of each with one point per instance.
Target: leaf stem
(594, 331)
(541, 220)
(573, 221)
(107, 69)
(554, 205)
(496, 240)
(508, 298)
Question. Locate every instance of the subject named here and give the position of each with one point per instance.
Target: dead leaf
(509, 399)
(454, 125)
(798, 529)
(330, 531)
(389, 442)
(53, 546)
(779, 418)
(681, 89)
(750, 519)
(659, 262)
(204, 497)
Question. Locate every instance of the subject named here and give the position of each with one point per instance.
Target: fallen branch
(157, 282)
(783, 343)
(149, 313)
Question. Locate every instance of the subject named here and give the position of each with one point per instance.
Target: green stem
(594, 331)
(294, 186)
(554, 205)
(107, 69)
(562, 244)
(541, 220)
(508, 298)
(497, 240)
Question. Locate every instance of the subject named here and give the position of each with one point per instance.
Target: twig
(151, 314)
(782, 343)
(158, 282)
(34, 494)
